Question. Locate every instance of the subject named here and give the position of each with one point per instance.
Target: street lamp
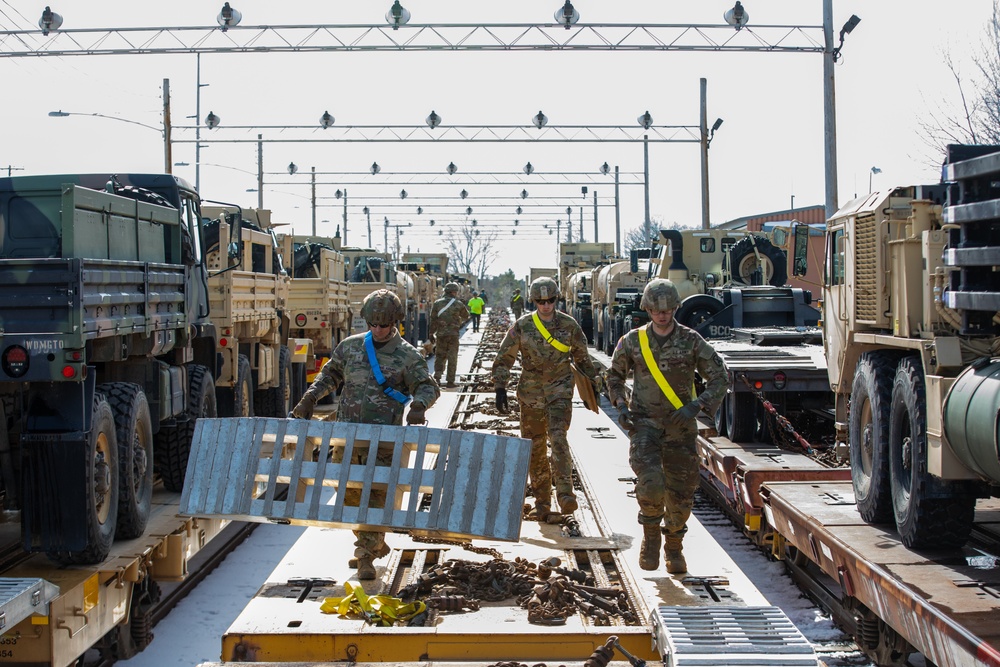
(433, 120)
(874, 170)
(605, 169)
(211, 121)
(292, 168)
(326, 120)
(228, 17)
(645, 121)
(368, 214)
(848, 28)
(528, 169)
(374, 169)
(737, 16)
(49, 21)
(397, 15)
(159, 130)
(539, 120)
(451, 168)
(338, 194)
(566, 15)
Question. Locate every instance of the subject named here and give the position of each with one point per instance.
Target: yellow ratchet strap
(647, 355)
(383, 610)
(562, 347)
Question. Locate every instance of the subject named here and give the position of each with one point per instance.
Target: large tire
(173, 445)
(134, 431)
(868, 433)
(721, 421)
(102, 488)
(741, 416)
(237, 401)
(277, 401)
(694, 310)
(929, 514)
(741, 261)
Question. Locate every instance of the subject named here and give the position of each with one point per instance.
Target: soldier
(660, 418)
(517, 303)
(448, 315)
(378, 373)
(548, 341)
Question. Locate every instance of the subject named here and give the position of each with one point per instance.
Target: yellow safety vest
(647, 355)
(562, 347)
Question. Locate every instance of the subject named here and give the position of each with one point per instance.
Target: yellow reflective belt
(647, 355)
(562, 347)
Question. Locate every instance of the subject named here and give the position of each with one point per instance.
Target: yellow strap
(562, 347)
(647, 355)
(382, 610)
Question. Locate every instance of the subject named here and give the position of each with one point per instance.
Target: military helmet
(543, 288)
(451, 288)
(382, 307)
(517, 290)
(660, 294)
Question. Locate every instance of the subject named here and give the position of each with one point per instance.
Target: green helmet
(451, 288)
(543, 288)
(382, 307)
(660, 294)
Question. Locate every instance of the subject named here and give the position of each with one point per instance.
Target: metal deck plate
(20, 598)
(744, 636)
(442, 482)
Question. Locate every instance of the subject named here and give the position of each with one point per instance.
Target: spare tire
(696, 309)
(741, 262)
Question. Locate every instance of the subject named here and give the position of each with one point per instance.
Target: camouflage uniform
(517, 304)
(662, 454)
(445, 326)
(363, 401)
(545, 394)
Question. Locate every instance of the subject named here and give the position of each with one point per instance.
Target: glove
(686, 413)
(625, 417)
(502, 406)
(304, 408)
(598, 383)
(416, 413)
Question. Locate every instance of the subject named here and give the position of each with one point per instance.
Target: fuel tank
(972, 418)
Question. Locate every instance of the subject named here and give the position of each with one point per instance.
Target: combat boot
(366, 568)
(673, 554)
(649, 555)
(383, 550)
(567, 502)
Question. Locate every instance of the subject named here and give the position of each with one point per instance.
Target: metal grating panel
(743, 636)
(476, 481)
(866, 267)
(20, 598)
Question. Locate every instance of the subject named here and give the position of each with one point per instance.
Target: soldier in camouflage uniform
(448, 314)
(660, 418)
(364, 401)
(517, 303)
(545, 391)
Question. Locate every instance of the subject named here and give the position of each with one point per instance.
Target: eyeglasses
(379, 326)
(545, 301)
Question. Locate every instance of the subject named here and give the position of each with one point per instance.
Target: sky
(767, 156)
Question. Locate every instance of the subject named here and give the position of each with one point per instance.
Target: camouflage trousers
(665, 461)
(447, 355)
(368, 543)
(518, 312)
(541, 426)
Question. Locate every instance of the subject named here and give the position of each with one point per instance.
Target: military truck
(617, 290)
(248, 295)
(318, 306)
(575, 283)
(107, 352)
(368, 270)
(911, 305)
(428, 272)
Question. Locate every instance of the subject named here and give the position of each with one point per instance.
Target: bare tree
(473, 250)
(634, 237)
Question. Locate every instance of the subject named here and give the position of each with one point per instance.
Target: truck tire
(237, 401)
(277, 401)
(694, 310)
(134, 432)
(929, 514)
(721, 423)
(741, 261)
(868, 435)
(102, 488)
(741, 416)
(172, 445)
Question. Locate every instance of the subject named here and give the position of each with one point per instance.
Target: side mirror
(234, 250)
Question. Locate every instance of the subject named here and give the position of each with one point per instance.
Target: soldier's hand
(502, 406)
(686, 413)
(598, 382)
(304, 408)
(416, 413)
(625, 416)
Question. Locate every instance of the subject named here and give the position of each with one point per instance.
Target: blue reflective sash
(377, 372)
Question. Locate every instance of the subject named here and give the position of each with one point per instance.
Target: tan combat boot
(567, 502)
(366, 568)
(383, 550)
(673, 554)
(649, 555)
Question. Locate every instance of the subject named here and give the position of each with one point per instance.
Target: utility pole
(595, 216)
(168, 160)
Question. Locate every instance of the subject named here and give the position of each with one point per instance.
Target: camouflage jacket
(678, 357)
(546, 374)
(361, 398)
(517, 302)
(451, 320)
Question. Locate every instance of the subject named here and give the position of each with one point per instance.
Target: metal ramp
(441, 482)
(737, 636)
(22, 597)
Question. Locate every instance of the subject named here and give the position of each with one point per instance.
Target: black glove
(686, 413)
(502, 406)
(625, 417)
(416, 413)
(304, 408)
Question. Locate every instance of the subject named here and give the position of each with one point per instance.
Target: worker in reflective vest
(548, 342)
(448, 315)
(378, 374)
(660, 418)
(517, 303)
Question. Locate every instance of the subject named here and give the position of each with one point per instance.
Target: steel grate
(475, 482)
(22, 597)
(743, 636)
